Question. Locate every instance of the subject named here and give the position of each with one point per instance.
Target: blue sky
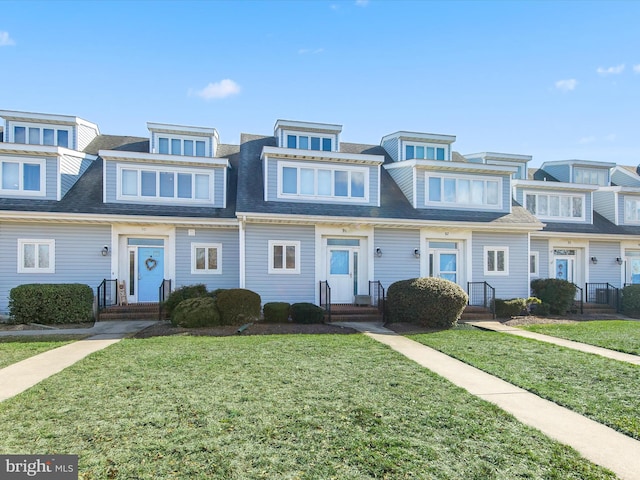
(556, 80)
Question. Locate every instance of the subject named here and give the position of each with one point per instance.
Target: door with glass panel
(443, 260)
(632, 266)
(343, 257)
(565, 265)
(146, 269)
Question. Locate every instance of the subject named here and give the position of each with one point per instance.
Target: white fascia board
(124, 156)
(296, 125)
(442, 165)
(557, 186)
(580, 163)
(620, 189)
(509, 157)
(584, 236)
(45, 118)
(182, 129)
(320, 156)
(42, 150)
(421, 137)
(620, 169)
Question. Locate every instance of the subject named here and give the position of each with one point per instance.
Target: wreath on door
(151, 263)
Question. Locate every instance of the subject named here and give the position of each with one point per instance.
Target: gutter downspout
(241, 241)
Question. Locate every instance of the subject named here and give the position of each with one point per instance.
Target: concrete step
(138, 311)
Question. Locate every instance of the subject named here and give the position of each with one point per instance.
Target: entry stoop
(598, 309)
(135, 311)
(475, 312)
(353, 313)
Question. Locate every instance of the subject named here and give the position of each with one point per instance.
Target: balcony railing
(481, 294)
(107, 293)
(376, 292)
(603, 294)
(163, 293)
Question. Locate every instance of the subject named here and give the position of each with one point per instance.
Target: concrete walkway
(583, 347)
(20, 376)
(596, 442)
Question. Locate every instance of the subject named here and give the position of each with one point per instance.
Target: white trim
(419, 137)
(550, 218)
(206, 271)
(495, 271)
(630, 198)
(284, 270)
(294, 124)
(41, 126)
(309, 135)
(508, 157)
(440, 166)
(580, 163)
(20, 191)
(37, 242)
(425, 145)
(171, 128)
(379, 184)
(415, 187)
(123, 156)
(242, 252)
(49, 119)
(265, 174)
(296, 154)
(470, 178)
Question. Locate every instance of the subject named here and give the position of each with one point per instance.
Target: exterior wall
(516, 283)
(624, 180)
(71, 169)
(396, 262)
(606, 270)
(562, 173)
(542, 247)
(604, 204)
(290, 288)
(404, 179)
(228, 238)
(391, 146)
(77, 255)
(85, 135)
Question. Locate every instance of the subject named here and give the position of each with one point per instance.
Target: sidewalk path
(583, 347)
(20, 376)
(596, 442)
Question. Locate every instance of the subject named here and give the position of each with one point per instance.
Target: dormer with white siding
(403, 146)
(509, 159)
(307, 135)
(580, 171)
(168, 139)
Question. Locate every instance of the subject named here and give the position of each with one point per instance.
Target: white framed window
(41, 134)
(206, 258)
(182, 145)
(326, 183)
(309, 142)
(22, 176)
(496, 260)
(631, 210)
(36, 256)
(140, 183)
(555, 206)
(424, 151)
(591, 176)
(533, 264)
(463, 190)
(284, 256)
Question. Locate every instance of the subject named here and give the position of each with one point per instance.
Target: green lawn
(602, 389)
(621, 335)
(16, 348)
(284, 407)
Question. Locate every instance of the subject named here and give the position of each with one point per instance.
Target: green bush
(181, 294)
(542, 309)
(276, 312)
(48, 303)
(631, 300)
(238, 306)
(510, 308)
(558, 294)
(306, 313)
(196, 312)
(430, 301)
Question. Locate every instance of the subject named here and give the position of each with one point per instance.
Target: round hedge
(631, 300)
(431, 302)
(238, 306)
(196, 312)
(181, 294)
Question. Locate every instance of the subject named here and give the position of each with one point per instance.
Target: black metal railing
(376, 292)
(163, 292)
(107, 293)
(481, 294)
(579, 302)
(603, 294)
(325, 298)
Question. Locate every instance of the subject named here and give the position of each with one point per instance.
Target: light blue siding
(228, 238)
(562, 173)
(542, 247)
(391, 147)
(516, 284)
(397, 261)
(519, 196)
(604, 204)
(624, 180)
(71, 169)
(404, 179)
(290, 288)
(85, 135)
(606, 270)
(77, 255)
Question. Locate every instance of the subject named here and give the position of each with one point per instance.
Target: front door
(632, 267)
(342, 268)
(565, 265)
(150, 273)
(443, 262)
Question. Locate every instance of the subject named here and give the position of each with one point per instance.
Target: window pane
(31, 177)
(565, 206)
(628, 210)
(324, 182)
(554, 206)
(339, 262)
(163, 145)
(129, 182)
(200, 258)
(326, 144)
(148, 184)
(477, 192)
(531, 203)
(29, 257)
(357, 184)
(410, 152)
(315, 143)
(277, 256)
(464, 191)
(20, 135)
(303, 143)
(202, 187)
(188, 148)
(439, 153)
(34, 136)
(491, 261)
(434, 189)
(577, 207)
(10, 175)
(200, 148)
(63, 138)
(166, 184)
(307, 181)
(543, 205)
(184, 185)
(291, 257)
(532, 264)
(176, 146)
(43, 256)
(449, 190)
(500, 255)
(341, 187)
(492, 193)
(431, 153)
(212, 258)
(47, 136)
(419, 152)
(291, 141)
(289, 180)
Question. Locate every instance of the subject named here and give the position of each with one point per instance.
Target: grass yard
(599, 388)
(285, 407)
(621, 335)
(16, 348)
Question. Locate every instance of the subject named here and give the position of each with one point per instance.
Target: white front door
(632, 266)
(342, 272)
(443, 261)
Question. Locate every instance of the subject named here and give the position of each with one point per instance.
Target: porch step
(136, 311)
(475, 312)
(353, 313)
(598, 309)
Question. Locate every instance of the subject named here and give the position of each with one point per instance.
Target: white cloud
(6, 40)
(305, 51)
(362, 3)
(617, 70)
(222, 89)
(636, 68)
(566, 85)
(585, 140)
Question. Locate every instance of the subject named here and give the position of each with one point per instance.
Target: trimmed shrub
(631, 300)
(181, 294)
(558, 294)
(510, 308)
(542, 309)
(430, 301)
(276, 312)
(196, 312)
(306, 313)
(238, 306)
(50, 303)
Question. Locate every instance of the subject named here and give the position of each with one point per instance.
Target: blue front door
(150, 273)
(562, 269)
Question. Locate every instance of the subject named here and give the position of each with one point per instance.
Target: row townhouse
(288, 214)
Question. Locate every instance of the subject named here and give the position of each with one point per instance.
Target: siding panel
(604, 204)
(391, 146)
(606, 270)
(559, 172)
(542, 247)
(85, 135)
(396, 262)
(404, 179)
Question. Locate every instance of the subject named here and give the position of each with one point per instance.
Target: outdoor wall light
(105, 250)
(619, 260)
(416, 252)
(378, 252)
(594, 260)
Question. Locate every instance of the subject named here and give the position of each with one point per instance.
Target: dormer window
(552, 206)
(41, 135)
(307, 142)
(22, 177)
(189, 147)
(424, 152)
(591, 176)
